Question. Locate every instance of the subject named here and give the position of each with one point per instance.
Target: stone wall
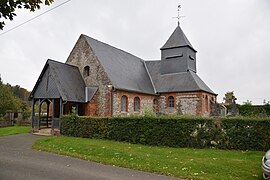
(193, 103)
(81, 56)
(146, 102)
(107, 99)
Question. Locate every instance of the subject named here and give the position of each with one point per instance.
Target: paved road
(19, 162)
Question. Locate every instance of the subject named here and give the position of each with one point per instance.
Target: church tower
(177, 54)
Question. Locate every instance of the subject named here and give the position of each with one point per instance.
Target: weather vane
(178, 15)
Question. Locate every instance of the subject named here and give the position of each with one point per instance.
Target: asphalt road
(19, 162)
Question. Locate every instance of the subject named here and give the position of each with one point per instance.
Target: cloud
(231, 37)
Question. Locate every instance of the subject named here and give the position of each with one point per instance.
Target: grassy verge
(178, 162)
(5, 131)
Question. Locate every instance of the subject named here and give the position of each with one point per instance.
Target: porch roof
(59, 80)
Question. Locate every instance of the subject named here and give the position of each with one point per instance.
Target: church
(101, 80)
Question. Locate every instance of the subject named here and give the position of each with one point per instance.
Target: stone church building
(101, 80)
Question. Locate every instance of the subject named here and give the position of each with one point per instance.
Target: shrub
(254, 110)
(174, 131)
(26, 115)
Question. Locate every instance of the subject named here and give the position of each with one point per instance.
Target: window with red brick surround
(124, 103)
(170, 101)
(136, 104)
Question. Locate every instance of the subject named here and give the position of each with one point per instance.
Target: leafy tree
(7, 100)
(229, 98)
(247, 103)
(8, 7)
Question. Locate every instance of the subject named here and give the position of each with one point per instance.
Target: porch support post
(39, 111)
(33, 113)
(61, 108)
(48, 106)
(52, 113)
(61, 112)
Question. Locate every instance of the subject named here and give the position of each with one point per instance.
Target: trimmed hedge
(254, 110)
(195, 132)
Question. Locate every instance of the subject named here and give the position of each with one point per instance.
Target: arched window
(155, 105)
(86, 71)
(170, 101)
(124, 104)
(136, 104)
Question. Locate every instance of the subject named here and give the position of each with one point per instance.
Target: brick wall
(91, 108)
(146, 102)
(195, 103)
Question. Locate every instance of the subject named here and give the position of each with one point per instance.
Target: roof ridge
(150, 77)
(113, 47)
(169, 74)
(197, 83)
(54, 61)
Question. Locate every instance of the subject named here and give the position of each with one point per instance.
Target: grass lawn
(178, 162)
(5, 131)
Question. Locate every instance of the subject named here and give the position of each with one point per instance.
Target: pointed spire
(177, 39)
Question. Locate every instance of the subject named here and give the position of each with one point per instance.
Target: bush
(254, 110)
(26, 115)
(174, 131)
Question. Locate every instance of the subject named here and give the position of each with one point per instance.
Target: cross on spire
(178, 15)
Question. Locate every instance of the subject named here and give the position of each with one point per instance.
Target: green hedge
(225, 133)
(254, 110)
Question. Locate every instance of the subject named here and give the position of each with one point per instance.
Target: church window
(86, 71)
(171, 101)
(136, 104)
(124, 103)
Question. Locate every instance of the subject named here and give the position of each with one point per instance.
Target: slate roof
(63, 81)
(126, 71)
(177, 39)
(175, 82)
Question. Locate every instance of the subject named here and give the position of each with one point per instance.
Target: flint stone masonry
(81, 56)
(107, 99)
(188, 105)
(146, 102)
(197, 103)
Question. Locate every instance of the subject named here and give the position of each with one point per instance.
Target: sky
(232, 38)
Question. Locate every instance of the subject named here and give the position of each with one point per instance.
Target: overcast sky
(232, 38)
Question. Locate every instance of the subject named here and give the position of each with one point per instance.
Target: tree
(229, 98)
(8, 7)
(7, 100)
(247, 103)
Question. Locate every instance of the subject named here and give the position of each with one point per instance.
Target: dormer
(177, 54)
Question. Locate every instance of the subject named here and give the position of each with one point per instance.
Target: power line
(34, 18)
